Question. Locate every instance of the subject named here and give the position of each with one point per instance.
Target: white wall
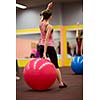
(30, 18)
(63, 14)
(72, 13)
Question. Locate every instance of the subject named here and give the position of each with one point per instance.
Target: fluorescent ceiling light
(21, 6)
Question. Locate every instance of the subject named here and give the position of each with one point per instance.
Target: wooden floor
(74, 91)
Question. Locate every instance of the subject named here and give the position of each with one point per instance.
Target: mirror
(26, 44)
(57, 43)
(74, 43)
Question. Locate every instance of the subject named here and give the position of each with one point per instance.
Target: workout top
(33, 51)
(43, 27)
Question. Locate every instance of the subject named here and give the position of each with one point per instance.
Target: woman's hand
(49, 5)
(77, 23)
(44, 55)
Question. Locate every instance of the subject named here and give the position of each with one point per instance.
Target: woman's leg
(59, 77)
(41, 49)
(17, 71)
(82, 47)
(53, 57)
(79, 42)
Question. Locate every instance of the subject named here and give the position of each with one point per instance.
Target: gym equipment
(40, 74)
(77, 64)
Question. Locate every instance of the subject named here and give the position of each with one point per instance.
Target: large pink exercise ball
(40, 74)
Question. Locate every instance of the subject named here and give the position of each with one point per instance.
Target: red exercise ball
(40, 74)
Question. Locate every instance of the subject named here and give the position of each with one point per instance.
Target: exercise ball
(77, 65)
(40, 74)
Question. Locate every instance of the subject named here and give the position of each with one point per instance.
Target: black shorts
(51, 53)
(32, 55)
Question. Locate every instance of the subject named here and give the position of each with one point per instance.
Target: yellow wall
(22, 62)
(33, 30)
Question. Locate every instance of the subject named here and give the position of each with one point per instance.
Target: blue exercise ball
(77, 65)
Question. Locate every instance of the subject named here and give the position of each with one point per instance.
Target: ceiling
(35, 3)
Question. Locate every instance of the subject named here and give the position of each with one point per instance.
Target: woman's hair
(46, 14)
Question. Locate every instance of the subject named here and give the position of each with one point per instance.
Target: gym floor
(74, 91)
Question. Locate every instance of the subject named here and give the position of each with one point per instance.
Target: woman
(17, 71)
(59, 46)
(79, 40)
(69, 49)
(33, 50)
(46, 42)
(33, 53)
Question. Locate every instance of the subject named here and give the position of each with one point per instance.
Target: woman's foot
(63, 86)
